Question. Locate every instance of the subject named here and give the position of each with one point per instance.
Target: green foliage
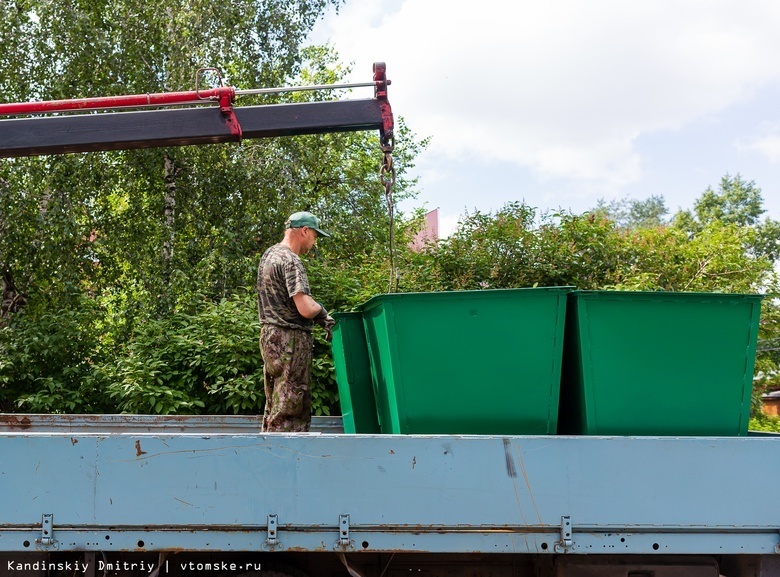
(488, 251)
(585, 251)
(764, 423)
(737, 202)
(712, 260)
(98, 47)
(207, 361)
(324, 391)
(518, 247)
(633, 213)
(150, 248)
(48, 362)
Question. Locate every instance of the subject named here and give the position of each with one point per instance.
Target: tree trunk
(171, 171)
(12, 300)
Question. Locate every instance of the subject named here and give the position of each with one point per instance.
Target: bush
(764, 423)
(207, 362)
(192, 363)
(324, 391)
(48, 362)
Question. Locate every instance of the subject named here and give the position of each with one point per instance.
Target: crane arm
(66, 133)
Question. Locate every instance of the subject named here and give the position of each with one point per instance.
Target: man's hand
(328, 326)
(326, 322)
(320, 315)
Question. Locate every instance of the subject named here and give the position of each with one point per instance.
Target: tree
(737, 202)
(517, 246)
(104, 47)
(713, 260)
(632, 213)
(144, 243)
(487, 250)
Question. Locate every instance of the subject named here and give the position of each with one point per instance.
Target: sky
(560, 103)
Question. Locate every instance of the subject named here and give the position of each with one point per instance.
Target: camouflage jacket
(280, 276)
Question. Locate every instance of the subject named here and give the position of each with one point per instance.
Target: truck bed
(139, 483)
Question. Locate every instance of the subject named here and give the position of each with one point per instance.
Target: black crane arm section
(184, 126)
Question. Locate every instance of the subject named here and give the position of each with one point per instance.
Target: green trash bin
(467, 362)
(658, 363)
(353, 374)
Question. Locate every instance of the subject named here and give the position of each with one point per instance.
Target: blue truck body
(140, 485)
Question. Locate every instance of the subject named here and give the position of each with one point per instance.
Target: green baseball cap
(301, 219)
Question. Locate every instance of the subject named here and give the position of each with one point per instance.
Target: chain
(387, 178)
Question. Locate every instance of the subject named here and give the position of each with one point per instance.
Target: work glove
(328, 327)
(326, 321)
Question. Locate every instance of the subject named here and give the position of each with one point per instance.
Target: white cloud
(561, 87)
(767, 145)
(448, 223)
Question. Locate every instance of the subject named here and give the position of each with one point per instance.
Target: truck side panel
(321, 492)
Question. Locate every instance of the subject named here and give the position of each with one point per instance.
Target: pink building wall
(430, 231)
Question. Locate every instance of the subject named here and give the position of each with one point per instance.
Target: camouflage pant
(287, 378)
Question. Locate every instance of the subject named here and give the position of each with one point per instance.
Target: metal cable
(387, 178)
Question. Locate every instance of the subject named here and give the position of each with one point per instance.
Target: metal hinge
(343, 530)
(47, 531)
(272, 539)
(566, 534)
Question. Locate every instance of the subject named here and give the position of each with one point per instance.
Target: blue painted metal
(154, 491)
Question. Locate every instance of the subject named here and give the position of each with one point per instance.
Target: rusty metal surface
(128, 424)
(215, 491)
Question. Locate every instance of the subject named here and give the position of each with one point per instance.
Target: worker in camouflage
(287, 313)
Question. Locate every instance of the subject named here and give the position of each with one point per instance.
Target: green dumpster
(658, 363)
(467, 362)
(353, 374)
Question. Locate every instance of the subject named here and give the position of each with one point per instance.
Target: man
(287, 314)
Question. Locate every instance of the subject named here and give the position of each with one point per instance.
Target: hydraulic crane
(60, 132)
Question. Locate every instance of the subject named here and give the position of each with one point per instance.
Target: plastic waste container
(353, 374)
(467, 362)
(658, 363)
